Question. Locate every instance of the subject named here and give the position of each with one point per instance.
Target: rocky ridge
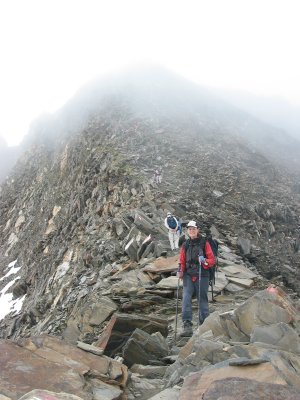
(76, 212)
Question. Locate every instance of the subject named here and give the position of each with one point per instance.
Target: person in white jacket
(171, 224)
(157, 176)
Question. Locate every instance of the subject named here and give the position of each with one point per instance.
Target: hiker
(194, 251)
(179, 229)
(157, 176)
(171, 224)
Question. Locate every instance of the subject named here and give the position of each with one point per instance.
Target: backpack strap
(186, 245)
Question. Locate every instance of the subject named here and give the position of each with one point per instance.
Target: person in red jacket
(196, 257)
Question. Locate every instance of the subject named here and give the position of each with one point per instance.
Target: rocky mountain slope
(81, 201)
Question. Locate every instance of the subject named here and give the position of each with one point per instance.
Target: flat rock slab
(148, 371)
(196, 385)
(90, 348)
(21, 370)
(246, 361)
(241, 282)
(239, 271)
(234, 288)
(169, 283)
(228, 259)
(166, 394)
(46, 395)
(57, 351)
(162, 264)
(55, 366)
(237, 388)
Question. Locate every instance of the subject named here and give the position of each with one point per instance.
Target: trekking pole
(201, 258)
(213, 281)
(177, 299)
(199, 292)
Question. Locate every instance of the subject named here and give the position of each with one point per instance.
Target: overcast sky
(49, 48)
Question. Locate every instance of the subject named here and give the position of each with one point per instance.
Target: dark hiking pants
(191, 288)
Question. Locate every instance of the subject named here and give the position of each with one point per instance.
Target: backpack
(171, 221)
(214, 244)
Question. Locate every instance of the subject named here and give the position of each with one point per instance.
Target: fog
(158, 94)
(273, 110)
(50, 49)
(8, 157)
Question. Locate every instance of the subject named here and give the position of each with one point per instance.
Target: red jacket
(209, 256)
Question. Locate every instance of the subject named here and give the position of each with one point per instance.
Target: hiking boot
(187, 329)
